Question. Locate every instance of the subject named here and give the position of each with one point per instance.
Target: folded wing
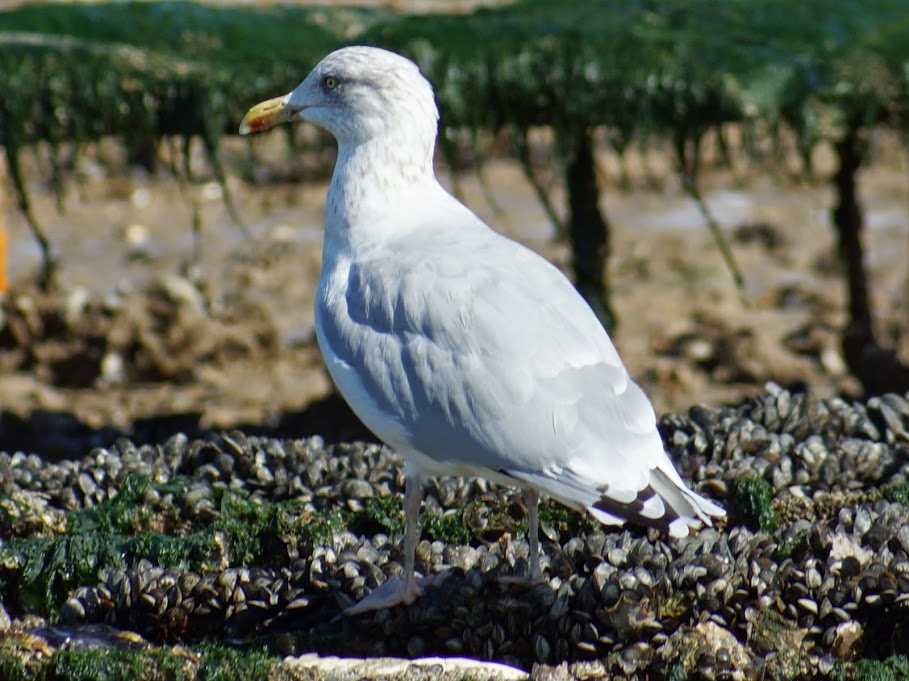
(498, 368)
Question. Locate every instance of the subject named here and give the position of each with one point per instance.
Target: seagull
(464, 351)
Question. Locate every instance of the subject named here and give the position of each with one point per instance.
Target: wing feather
(488, 360)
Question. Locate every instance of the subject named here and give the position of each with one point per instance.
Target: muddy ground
(141, 337)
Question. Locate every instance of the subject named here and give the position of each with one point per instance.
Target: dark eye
(330, 82)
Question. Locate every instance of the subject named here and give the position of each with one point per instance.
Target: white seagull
(464, 351)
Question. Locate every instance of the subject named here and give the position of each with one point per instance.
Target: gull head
(358, 94)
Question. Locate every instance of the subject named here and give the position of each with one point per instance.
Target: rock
(846, 639)
(545, 672)
(312, 667)
(845, 546)
(688, 645)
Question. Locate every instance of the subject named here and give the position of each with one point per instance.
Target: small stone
(73, 610)
(455, 645)
(356, 489)
(846, 637)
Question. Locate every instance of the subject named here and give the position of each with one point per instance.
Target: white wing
(473, 355)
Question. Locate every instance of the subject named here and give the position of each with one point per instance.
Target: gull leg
(396, 591)
(532, 501)
(413, 495)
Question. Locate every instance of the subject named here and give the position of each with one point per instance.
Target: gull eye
(330, 82)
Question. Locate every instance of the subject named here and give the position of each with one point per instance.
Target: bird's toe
(395, 591)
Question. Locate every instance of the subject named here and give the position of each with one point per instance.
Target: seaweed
(446, 527)
(208, 662)
(382, 514)
(222, 663)
(124, 513)
(894, 668)
(12, 667)
(639, 69)
(114, 665)
(753, 504)
(898, 493)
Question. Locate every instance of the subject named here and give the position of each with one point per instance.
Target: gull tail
(665, 504)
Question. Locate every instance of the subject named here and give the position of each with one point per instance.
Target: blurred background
(727, 184)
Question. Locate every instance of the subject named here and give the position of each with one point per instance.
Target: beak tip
(266, 115)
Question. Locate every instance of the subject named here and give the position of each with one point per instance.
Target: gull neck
(370, 176)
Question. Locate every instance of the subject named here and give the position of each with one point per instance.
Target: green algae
(563, 520)
(752, 504)
(113, 664)
(792, 546)
(127, 511)
(379, 514)
(893, 668)
(676, 673)
(206, 662)
(897, 493)
(675, 606)
(446, 527)
(12, 666)
(248, 527)
(385, 514)
(220, 663)
(40, 574)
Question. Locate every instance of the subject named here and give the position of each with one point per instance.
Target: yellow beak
(266, 115)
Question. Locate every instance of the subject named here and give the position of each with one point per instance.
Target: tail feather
(665, 503)
(682, 508)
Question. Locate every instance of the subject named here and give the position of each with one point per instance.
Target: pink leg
(532, 501)
(396, 591)
(413, 495)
